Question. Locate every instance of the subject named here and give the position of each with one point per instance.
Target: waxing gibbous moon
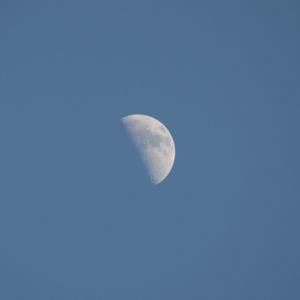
(154, 143)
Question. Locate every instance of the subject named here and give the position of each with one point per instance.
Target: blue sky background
(79, 218)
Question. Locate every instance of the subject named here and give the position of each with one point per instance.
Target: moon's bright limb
(154, 144)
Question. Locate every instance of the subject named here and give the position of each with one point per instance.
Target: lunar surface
(154, 143)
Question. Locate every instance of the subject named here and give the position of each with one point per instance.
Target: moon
(154, 143)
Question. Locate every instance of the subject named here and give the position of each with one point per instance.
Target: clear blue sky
(79, 218)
